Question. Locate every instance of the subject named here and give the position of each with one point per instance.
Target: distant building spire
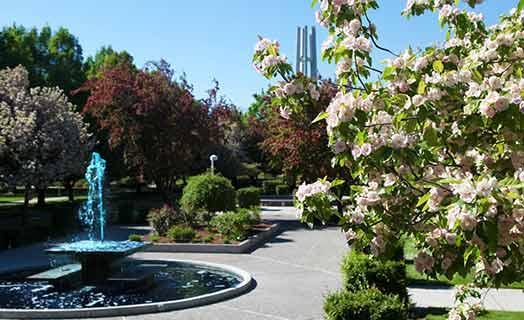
(306, 62)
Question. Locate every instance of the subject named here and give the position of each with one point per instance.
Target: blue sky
(213, 38)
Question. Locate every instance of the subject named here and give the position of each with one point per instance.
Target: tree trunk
(25, 209)
(41, 197)
(69, 188)
(27, 196)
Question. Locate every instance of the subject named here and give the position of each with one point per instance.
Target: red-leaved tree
(296, 145)
(155, 119)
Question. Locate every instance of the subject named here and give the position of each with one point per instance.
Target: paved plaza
(293, 273)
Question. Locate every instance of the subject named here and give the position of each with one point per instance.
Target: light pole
(213, 158)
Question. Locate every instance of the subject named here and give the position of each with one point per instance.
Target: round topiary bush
(361, 271)
(368, 304)
(209, 193)
(248, 197)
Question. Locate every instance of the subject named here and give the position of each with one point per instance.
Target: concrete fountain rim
(135, 309)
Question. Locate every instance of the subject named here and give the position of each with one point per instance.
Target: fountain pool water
(173, 280)
(103, 282)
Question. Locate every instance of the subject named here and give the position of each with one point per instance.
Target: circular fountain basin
(177, 284)
(96, 257)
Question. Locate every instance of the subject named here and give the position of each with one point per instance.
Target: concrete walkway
(293, 272)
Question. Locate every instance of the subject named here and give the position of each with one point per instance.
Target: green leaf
(430, 135)
(321, 116)
(450, 181)
(314, 3)
(421, 87)
(521, 5)
(477, 76)
(388, 72)
(337, 182)
(438, 66)
(357, 188)
(422, 200)
(360, 138)
(469, 251)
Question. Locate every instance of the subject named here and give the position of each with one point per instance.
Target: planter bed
(260, 235)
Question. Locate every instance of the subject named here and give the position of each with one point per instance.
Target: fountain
(95, 255)
(103, 282)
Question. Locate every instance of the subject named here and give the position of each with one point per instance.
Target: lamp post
(213, 158)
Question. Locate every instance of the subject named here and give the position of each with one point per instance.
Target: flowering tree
(434, 145)
(42, 139)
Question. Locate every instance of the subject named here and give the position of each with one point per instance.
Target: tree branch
(374, 41)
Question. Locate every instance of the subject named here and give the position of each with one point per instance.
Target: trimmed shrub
(235, 225)
(162, 219)
(127, 182)
(208, 192)
(362, 272)
(82, 184)
(269, 186)
(135, 237)
(208, 239)
(283, 190)
(181, 233)
(248, 197)
(368, 304)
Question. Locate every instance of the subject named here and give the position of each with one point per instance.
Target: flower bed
(258, 236)
(209, 235)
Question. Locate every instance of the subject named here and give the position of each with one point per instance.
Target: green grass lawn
(416, 278)
(18, 199)
(491, 315)
(9, 199)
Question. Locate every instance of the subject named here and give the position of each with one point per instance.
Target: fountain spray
(93, 214)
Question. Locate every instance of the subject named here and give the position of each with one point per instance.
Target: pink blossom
(284, 113)
(350, 235)
(357, 216)
(424, 262)
(340, 146)
(467, 221)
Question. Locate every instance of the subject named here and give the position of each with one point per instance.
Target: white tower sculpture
(306, 62)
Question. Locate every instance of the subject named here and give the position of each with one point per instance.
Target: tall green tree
(106, 58)
(52, 59)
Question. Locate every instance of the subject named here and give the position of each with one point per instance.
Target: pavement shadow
(422, 313)
(428, 284)
(279, 239)
(269, 209)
